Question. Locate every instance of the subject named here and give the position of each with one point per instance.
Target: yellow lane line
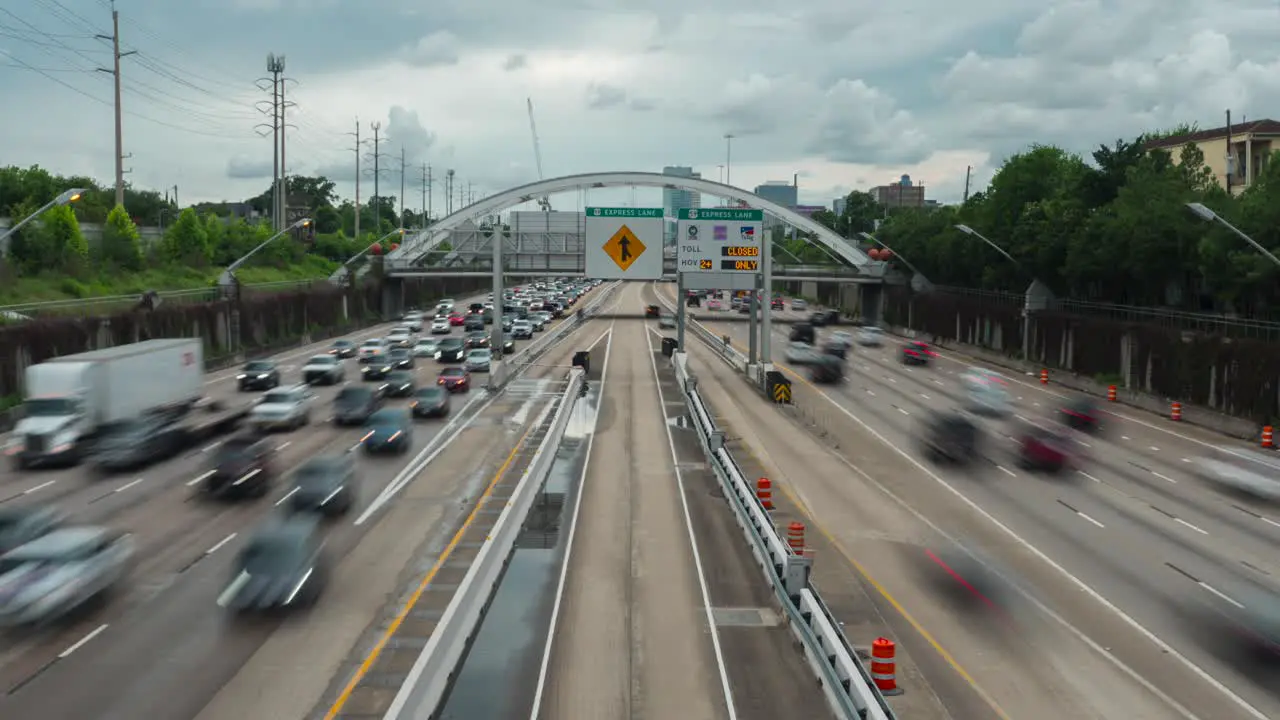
(370, 659)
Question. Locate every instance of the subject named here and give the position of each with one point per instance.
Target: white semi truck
(71, 400)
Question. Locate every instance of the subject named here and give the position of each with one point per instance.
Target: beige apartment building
(1248, 145)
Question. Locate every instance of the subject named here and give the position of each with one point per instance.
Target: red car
(456, 319)
(916, 353)
(455, 379)
(1041, 448)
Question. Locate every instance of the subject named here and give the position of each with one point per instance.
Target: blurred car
(372, 349)
(508, 345)
(803, 333)
(474, 322)
(507, 323)
(283, 409)
(1082, 413)
(376, 372)
(477, 340)
(522, 330)
(400, 384)
(354, 404)
(1242, 620)
(430, 402)
(841, 336)
(826, 369)
(457, 319)
(243, 466)
(916, 352)
(399, 337)
(798, 353)
(536, 322)
(777, 304)
(60, 571)
(834, 349)
(798, 305)
(454, 379)
(327, 369)
(137, 442)
(715, 305)
(1049, 449)
(652, 311)
(1253, 474)
(281, 567)
(667, 322)
(440, 326)
(21, 524)
(426, 348)
(388, 431)
(452, 350)
(400, 359)
(951, 436)
(986, 393)
(343, 349)
(413, 321)
(325, 484)
(870, 337)
(258, 375)
(478, 360)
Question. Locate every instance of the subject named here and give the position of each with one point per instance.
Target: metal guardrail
(432, 673)
(847, 685)
(193, 295)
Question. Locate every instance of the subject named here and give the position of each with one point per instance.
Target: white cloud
(850, 93)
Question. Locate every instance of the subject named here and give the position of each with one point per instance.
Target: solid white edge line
(545, 667)
(1085, 587)
(723, 670)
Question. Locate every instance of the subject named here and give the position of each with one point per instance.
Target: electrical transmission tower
(403, 203)
(358, 148)
(377, 156)
(276, 108)
(114, 71)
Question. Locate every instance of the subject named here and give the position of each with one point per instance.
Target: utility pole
(1231, 156)
(968, 171)
(426, 192)
(175, 196)
(448, 192)
(728, 158)
(377, 175)
(114, 37)
(471, 196)
(275, 66)
(403, 203)
(357, 149)
(284, 167)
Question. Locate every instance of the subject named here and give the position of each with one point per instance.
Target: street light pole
(872, 238)
(1204, 213)
(970, 231)
(728, 158)
(66, 198)
(228, 277)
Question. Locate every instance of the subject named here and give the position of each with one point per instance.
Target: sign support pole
(497, 337)
(753, 307)
(681, 315)
(766, 313)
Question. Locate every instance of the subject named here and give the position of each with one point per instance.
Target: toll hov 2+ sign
(624, 243)
(719, 248)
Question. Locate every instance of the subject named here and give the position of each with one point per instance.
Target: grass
(42, 288)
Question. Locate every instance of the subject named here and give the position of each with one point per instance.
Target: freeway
(1108, 557)
(662, 612)
(159, 648)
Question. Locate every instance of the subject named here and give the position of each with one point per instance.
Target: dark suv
(951, 436)
(243, 467)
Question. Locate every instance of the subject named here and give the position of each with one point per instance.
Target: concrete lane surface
(393, 586)
(161, 629)
(1133, 527)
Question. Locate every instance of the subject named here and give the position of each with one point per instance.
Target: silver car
(55, 574)
(478, 361)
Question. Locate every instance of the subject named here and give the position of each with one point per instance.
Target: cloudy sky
(847, 93)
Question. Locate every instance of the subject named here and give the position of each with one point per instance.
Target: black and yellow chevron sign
(782, 393)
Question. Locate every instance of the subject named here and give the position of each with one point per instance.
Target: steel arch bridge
(415, 249)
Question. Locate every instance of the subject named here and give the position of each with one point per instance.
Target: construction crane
(544, 202)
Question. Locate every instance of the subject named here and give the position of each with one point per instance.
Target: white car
(1246, 472)
(283, 408)
(799, 353)
(327, 369)
(400, 337)
(426, 348)
(440, 326)
(372, 348)
(57, 573)
(798, 305)
(478, 360)
(987, 393)
(522, 330)
(871, 337)
(841, 337)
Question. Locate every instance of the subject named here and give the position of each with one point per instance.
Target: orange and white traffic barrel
(884, 669)
(1175, 412)
(764, 493)
(795, 537)
(1267, 441)
(1111, 393)
(1044, 377)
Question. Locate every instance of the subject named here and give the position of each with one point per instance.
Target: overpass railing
(845, 681)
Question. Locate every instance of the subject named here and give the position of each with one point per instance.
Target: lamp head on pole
(304, 222)
(69, 196)
(966, 230)
(868, 237)
(1202, 212)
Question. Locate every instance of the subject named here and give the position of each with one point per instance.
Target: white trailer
(70, 400)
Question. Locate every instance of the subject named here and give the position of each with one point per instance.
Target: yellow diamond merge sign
(624, 247)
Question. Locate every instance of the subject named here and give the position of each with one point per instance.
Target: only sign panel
(624, 243)
(720, 248)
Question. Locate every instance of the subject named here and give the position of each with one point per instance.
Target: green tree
(186, 241)
(121, 244)
(64, 239)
